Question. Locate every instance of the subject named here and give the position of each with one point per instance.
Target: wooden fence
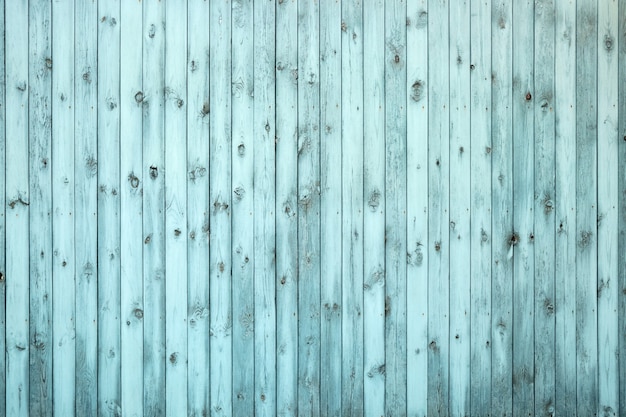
(313, 208)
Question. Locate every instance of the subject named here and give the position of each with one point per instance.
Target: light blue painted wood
(242, 155)
(198, 208)
(460, 150)
(131, 203)
(40, 227)
(438, 209)
(329, 181)
(502, 202)
(176, 264)
(481, 228)
(264, 205)
(3, 239)
(108, 261)
(523, 216)
(374, 210)
(607, 194)
(565, 206)
(153, 215)
(63, 238)
(587, 399)
(417, 207)
(286, 208)
(220, 209)
(331, 26)
(621, 52)
(86, 204)
(395, 208)
(544, 217)
(309, 190)
(17, 208)
(351, 140)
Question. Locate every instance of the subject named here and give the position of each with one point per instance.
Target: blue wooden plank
(198, 208)
(243, 189)
(621, 51)
(40, 227)
(264, 205)
(438, 209)
(86, 205)
(502, 217)
(220, 209)
(17, 207)
(176, 210)
(331, 27)
(417, 207)
(395, 210)
(481, 207)
(286, 208)
(565, 205)
(608, 203)
(586, 208)
(131, 203)
(3, 265)
(460, 150)
(63, 238)
(309, 209)
(351, 140)
(154, 207)
(108, 264)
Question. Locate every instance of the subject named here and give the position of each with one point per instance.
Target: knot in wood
(139, 97)
(528, 96)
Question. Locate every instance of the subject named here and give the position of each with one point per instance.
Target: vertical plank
(331, 138)
(438, 209)
(286, 208)
(17, 208)
(86, 204)
(351, 140)
(395, 210)
(565, 200)
(64, 264)
(3, 265)
(621, 48)
(481, 228)
(153, 172)
(460, 151)
(108, 261)
(586, 207)
(608, 203)
(544, 217)
(198, 208)
(220, 201)
(40, 220)
(176, 209)
(309, 211)
(417, 207)
(502, 216)
(523, 216)
(131, 204)
(243, 151)
(264, 205)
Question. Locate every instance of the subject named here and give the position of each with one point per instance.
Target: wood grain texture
(264, 219)
(502, 204)
(337, 207)
(565, 206)
(86, 205)
(17, 208)
(108, 261)
(242, 155)
(131, 204)
(374, 365)
(481, 226)
(63, 238)
(287, 208)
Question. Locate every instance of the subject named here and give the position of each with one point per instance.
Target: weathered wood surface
(342, 208)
